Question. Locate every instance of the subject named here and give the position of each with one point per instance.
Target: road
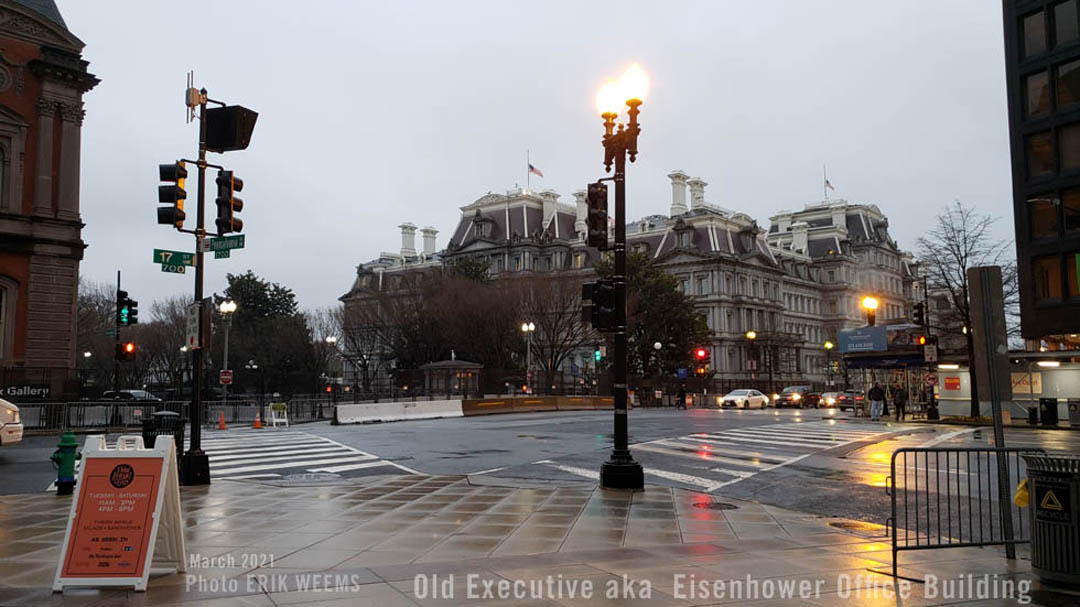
(813, 460)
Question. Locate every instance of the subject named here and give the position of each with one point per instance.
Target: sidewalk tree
(961, 239)
(553, 304)
(658, 311)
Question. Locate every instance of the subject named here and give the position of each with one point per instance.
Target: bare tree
(962, 239)
(553, 303)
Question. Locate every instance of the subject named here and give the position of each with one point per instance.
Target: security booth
(452, 378)
(896, 357)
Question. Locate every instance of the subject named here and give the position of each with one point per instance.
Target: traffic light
(919, 316)
(228, 205)
(127, 309)
(702, 359)
(921, 340)
(597, 221)
(597, 354)
(172, 194)
(125, 351)
(600, 312)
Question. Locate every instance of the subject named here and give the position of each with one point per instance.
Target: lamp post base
(195, 468)
(622, 472)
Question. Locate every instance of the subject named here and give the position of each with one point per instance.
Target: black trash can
(163, 423)
(1054, 485)
(1048, 411)
(1033, 416)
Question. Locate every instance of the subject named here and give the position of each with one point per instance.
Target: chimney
(678, 192)
(799, 237)
(408, 240)
(580, 225)
(551, 203)
(839, 216)
(697, 193)
(429, 240)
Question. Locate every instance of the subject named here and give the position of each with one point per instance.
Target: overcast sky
(376, 113)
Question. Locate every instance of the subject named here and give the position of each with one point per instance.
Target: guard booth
(452, 378)
(892, 356)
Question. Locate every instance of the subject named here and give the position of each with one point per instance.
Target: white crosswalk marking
(269, 454)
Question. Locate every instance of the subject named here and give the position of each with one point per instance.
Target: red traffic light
(701, 352)
(922, 340)
(329, 389)
(129, 347)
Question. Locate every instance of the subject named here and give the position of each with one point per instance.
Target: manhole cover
(854, 525)
(716, 506)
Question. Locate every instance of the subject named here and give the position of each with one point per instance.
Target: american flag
(829, 185)
(535, 171)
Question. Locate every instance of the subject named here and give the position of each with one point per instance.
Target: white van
(11, 428)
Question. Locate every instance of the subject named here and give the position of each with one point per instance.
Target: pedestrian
(877, 402)
(682, 397)
(900, 401)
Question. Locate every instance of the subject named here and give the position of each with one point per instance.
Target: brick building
(42, 81)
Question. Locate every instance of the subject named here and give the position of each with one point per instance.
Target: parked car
(130, 395)
(850, 399)
(792, 396)
(745, 399)
(11, 428)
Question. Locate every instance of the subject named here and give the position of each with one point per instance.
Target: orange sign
(952, 383)
(110, 536)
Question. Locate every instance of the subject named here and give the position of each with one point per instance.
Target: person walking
(877, 402)
(900, 401)
(681, 404)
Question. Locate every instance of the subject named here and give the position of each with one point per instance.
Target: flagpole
(824, 180)
(528, 173)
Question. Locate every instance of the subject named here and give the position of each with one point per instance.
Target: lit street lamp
(621, 471)
(828, 360)
(528, 328)
(227, 308)
(870, 304)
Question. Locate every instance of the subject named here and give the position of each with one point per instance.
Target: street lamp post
(528, 328)
(828, 362)
(227, 308)
(621, 471)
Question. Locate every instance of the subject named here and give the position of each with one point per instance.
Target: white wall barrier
(396, 411)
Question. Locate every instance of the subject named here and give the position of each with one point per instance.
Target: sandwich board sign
(126, 496)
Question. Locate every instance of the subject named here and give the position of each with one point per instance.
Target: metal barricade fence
(105, 415)
(954, 497)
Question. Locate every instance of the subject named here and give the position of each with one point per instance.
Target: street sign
(682, 373)
(225, 377)
(191, 325)
(224, 254)
(223, 243)
(930, 353)
(173, 268)
(931, 379)
(111, 331)
(175, 258)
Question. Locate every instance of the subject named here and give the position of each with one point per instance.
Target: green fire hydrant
(64, 459)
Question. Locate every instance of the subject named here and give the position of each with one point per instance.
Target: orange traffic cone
(221, 422)
(258, 420)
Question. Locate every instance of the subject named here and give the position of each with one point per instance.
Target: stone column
(580, 225)
(46, 110)
(71, 116)
(678, 192)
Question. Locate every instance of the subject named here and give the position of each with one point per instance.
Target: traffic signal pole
(195, 464)
(116, 347)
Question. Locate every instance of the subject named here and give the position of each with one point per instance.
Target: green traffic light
(597, 355)
(124, 315)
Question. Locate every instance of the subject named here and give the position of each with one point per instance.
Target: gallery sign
(126, 496)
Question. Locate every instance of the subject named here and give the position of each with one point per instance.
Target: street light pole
(621, 471)
(227, 308)
(527, 328)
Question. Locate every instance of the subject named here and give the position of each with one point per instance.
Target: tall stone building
(794, 285)
(42, 81)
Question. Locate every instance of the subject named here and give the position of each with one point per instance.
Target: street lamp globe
(528, 327)
(183, 348)
(656, 346)
(869, 303)
(610, 99)
(751, 335)
(331, 339)
(87, 354)
(828, 345)
(227, 307)
(634, 83)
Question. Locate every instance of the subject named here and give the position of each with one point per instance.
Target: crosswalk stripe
(270, 456)
(747, 456)
(785, 436)
(243, 462)
(269, 450)
(590, 474)
(762, 441)
(351, 467)
(275, 466)
(698, 455)
(704, 483)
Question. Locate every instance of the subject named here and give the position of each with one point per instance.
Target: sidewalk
(257, 544)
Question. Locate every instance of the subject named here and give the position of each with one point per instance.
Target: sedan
(745, 399)
(829, 399)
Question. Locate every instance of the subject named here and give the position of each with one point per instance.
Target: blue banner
(863, 339)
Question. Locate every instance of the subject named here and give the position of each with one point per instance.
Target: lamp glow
(869, 303)
(634, 83)
(1049, 363)
(610, 98)
(828, 345)
(751, 334)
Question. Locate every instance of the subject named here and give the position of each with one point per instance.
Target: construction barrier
(394, 412)
(534, 404)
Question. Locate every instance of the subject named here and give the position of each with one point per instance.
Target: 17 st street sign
(173, 261)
